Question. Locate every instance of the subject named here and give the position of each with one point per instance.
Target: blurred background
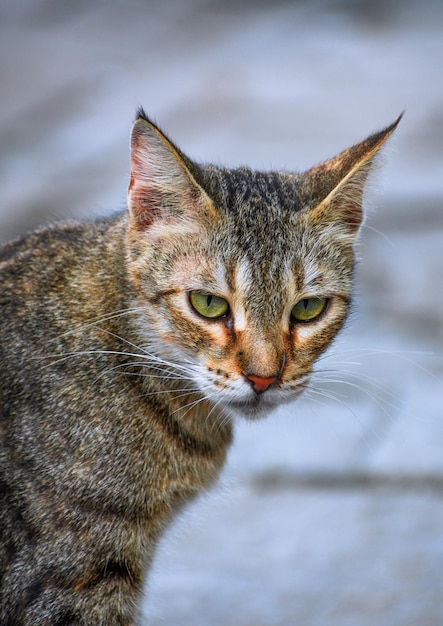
(331, 511)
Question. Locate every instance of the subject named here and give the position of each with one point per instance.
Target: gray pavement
(331, 511)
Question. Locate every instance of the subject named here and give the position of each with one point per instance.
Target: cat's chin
(260, 407)
(251, 410)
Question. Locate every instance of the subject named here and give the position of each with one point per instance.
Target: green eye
(208, 305)
(308, 309)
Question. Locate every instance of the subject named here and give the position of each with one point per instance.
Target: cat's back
(45, 256)
(54, 272)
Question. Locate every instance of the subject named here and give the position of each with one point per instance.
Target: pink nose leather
(260, 384)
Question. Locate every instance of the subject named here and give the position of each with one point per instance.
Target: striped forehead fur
(242, 190)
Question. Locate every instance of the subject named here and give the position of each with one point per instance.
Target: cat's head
(246, 275)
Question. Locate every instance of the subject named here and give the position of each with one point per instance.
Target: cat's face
(246, 276)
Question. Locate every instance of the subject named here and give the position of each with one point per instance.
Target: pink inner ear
(145, 200)
(145, 204)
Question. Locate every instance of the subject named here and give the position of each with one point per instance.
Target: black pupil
(306, 304)
(208, 301)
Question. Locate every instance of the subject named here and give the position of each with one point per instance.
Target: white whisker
(105, 318)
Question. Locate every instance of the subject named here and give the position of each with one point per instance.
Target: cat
(128, 345)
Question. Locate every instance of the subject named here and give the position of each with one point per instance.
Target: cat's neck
(190, 417)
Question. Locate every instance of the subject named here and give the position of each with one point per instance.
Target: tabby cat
(129, 344)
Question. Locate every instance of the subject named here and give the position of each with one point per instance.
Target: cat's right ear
(162, 189)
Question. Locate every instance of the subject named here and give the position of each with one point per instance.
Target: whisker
(165, 373)
(64, 356)
(370, 394)
(148, 359)
(143, 352)
(187, 392)
(366, 226)
(105, 318)
(190, 404)
(357, 376)
(403, 355)
(322, 392)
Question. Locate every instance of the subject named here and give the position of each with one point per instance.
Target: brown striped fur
(117, 397)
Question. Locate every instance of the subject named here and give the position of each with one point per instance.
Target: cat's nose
(260, 384)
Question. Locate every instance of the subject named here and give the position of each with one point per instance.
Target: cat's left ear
(335, 188)
(163, 190)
